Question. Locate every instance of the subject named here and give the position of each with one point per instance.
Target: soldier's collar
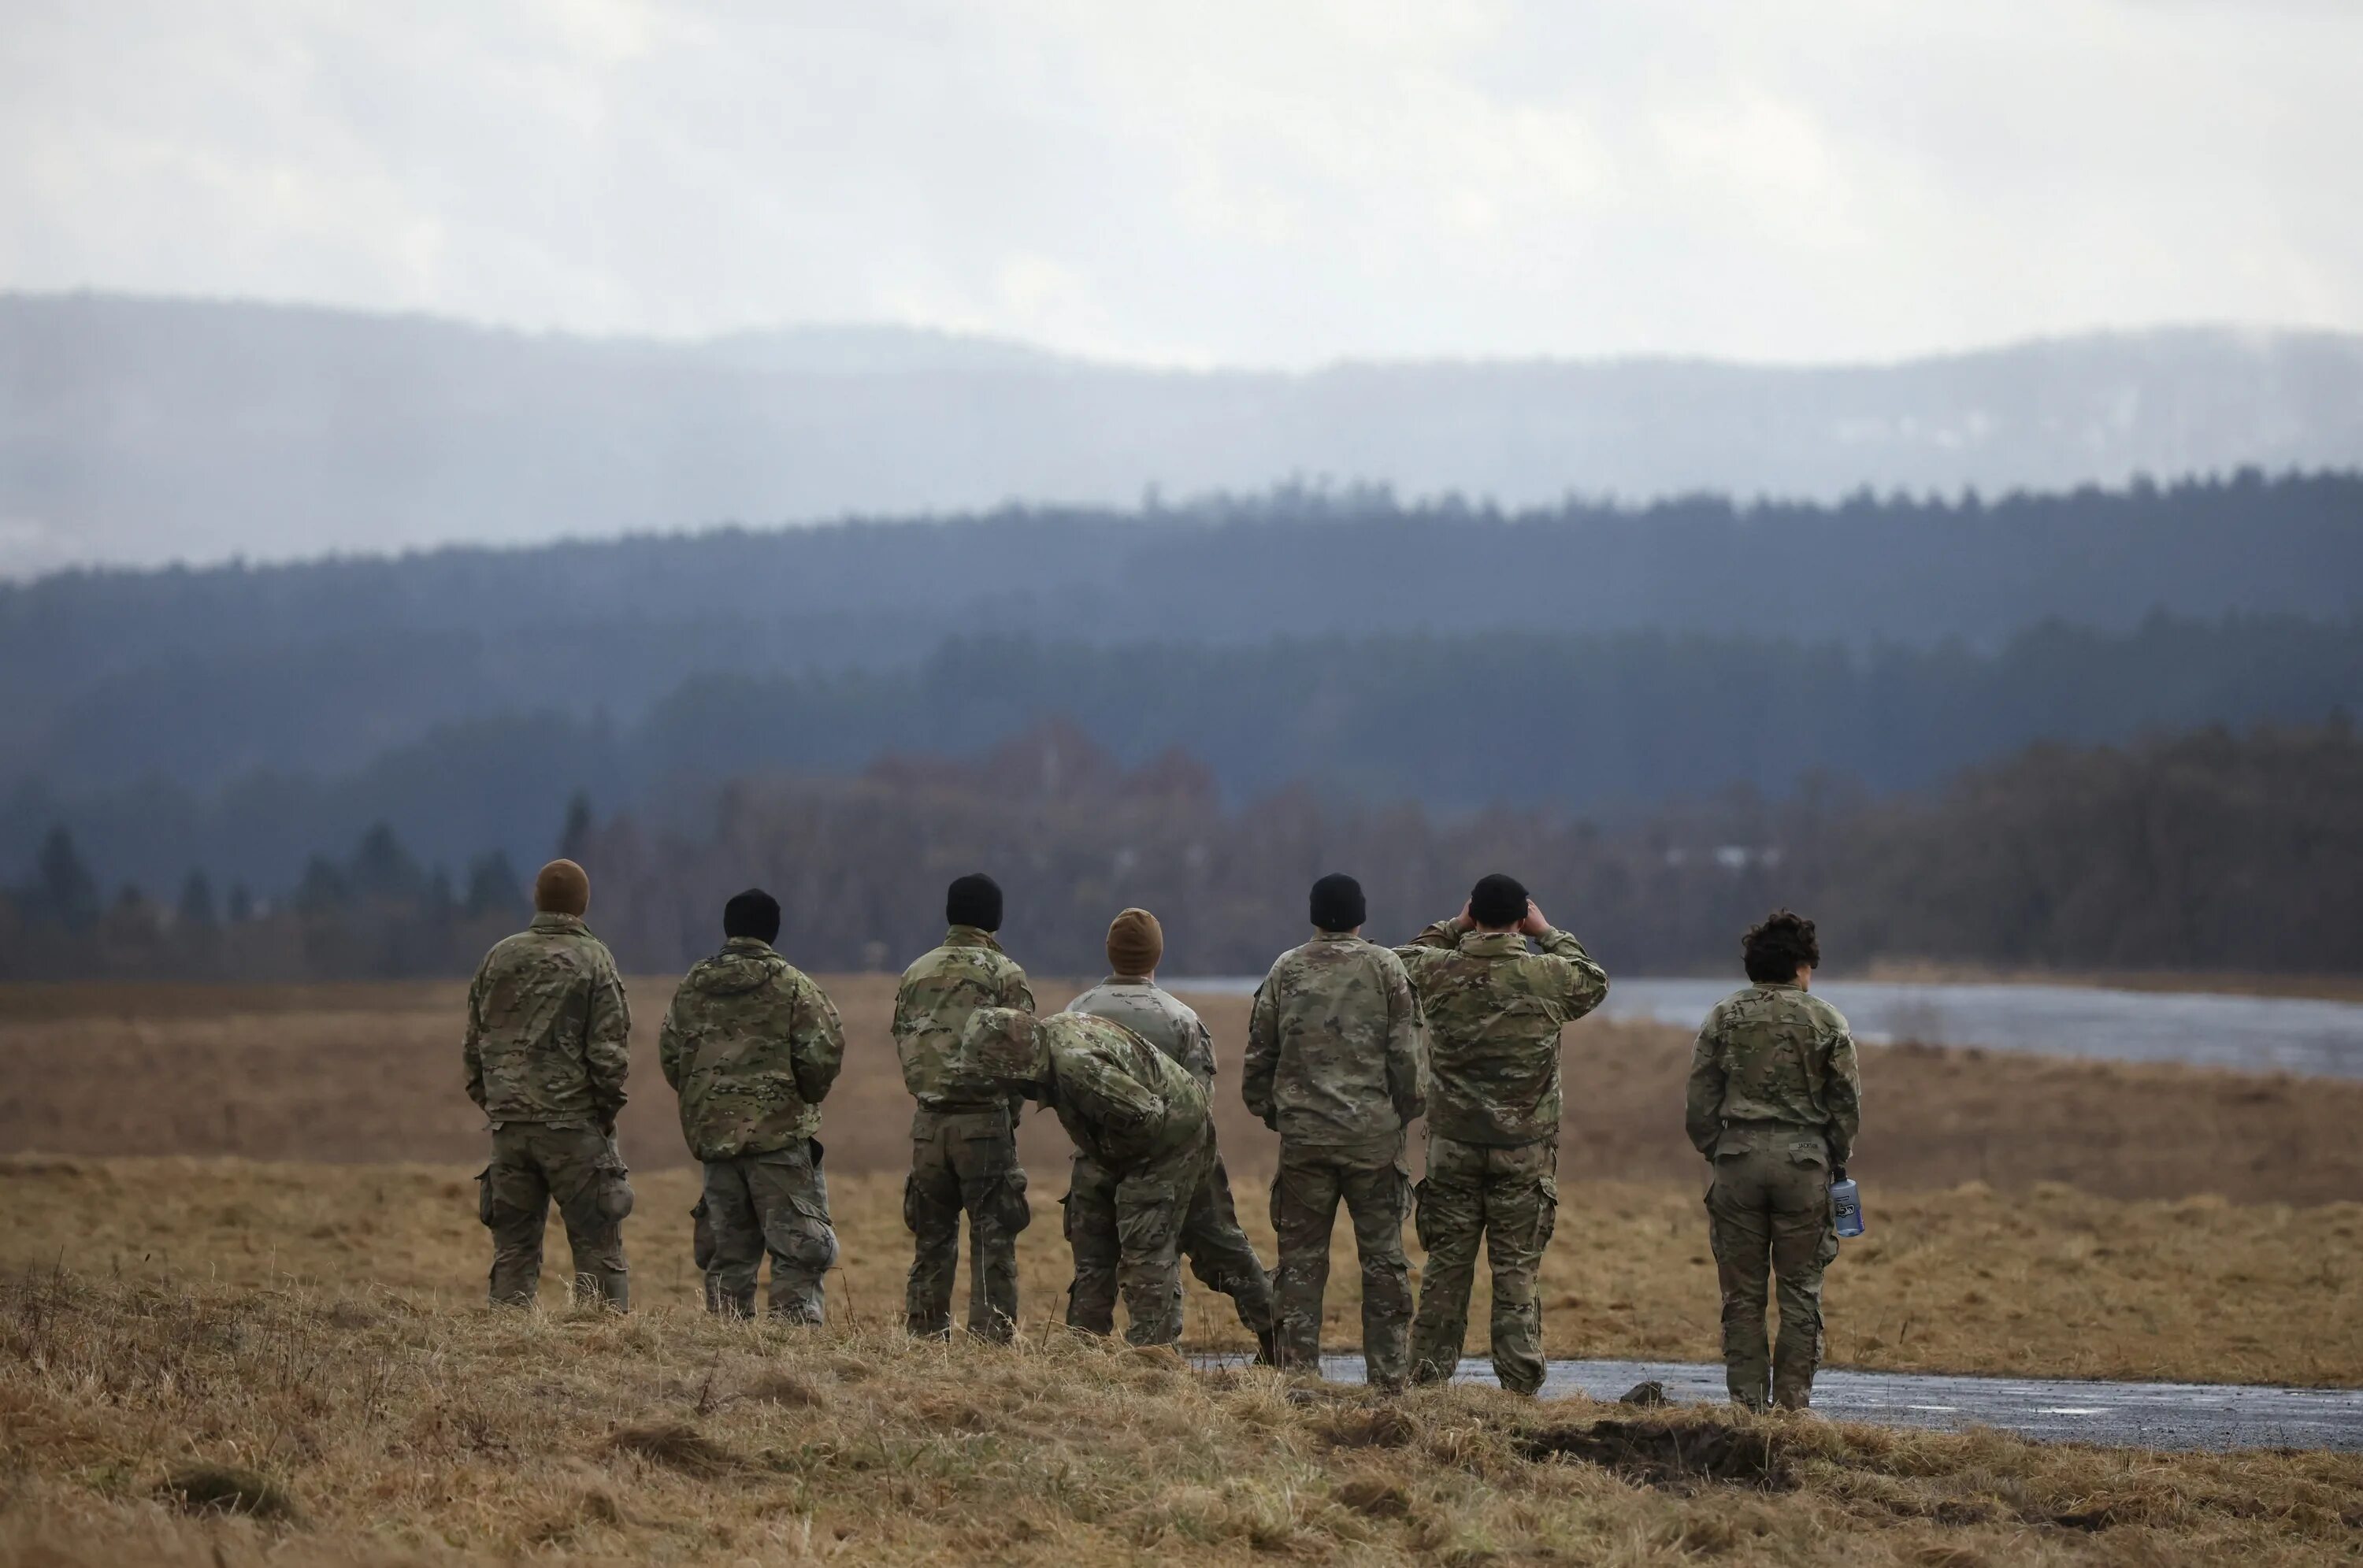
(1492, 942)
(554, 919)
(745, 945)
(970, 936)
(1779, 985)
(1148, 981)
(1319, 935)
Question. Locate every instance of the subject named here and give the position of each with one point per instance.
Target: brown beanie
(1135, 943)
(563, 888)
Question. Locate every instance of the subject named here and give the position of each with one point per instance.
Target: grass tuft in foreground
(379, 1427)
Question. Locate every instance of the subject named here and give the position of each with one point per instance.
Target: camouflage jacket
(1158, 1016)
(1124, 1101)
(751, 1046)
(937, 993)
(1493, 1013)
(1336, 1055)
(547, 1028)
(1779, 1055)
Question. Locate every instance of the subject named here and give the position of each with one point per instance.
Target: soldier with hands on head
(1210, 1237)
(1335, 1064)
(1495, 1012)
(752, 1047)
(963, 1136)
(1775, 1101)
(546, 1058)
(1136, 1114)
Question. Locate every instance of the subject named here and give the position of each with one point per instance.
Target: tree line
(2209, 850)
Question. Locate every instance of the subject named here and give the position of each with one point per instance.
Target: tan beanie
(563, 888)
(1135, 943)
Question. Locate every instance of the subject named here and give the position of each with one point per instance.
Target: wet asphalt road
(2121, 1414)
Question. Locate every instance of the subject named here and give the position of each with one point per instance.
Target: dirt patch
(225, 1489)
(676, 1445)
(1385, 1427)
(1672, 1456)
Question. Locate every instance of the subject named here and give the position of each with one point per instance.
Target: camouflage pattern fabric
(1127, 1231)
(1158, 1016)
(963, 1146)
(1127, 1104)
(1335, 1057)
(1769, 1210)
(580, 1168)
(1775, 1101)
(1776, 1054)
(1305, 1193)
(752, 1046)
(1212, 1239)
(1508, 1195)
(547, 1028)
(774, 1202)
(1495, 1012)
(964, 1163)
(932, 1005)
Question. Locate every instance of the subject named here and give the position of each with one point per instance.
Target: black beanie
(1338, 903)
(1497, 900)
(753, 914)
(974, 900)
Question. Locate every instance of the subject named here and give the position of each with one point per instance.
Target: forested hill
(144, 431)
(203, 677)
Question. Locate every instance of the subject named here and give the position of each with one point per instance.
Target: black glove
(1837, 1172)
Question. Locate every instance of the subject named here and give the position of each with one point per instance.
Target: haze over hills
(143, 431)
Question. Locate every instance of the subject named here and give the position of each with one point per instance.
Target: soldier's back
(937, 993)
(530, 1008)
(1774, 1044)
(1334, 1004)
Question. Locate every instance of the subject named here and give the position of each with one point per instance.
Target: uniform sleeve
(1199, 1057)
(670, 1045)
(471, 1047)
(606, 1050)
(1406, 1046)
(815, 1043)
(1016, 992)
(1586, 982)
(1261, 1063)
(1702, 1106)
(1106, 1094)
(1426, 949)
(1843, 1086)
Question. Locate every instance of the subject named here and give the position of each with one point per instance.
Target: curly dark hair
(1776, 946)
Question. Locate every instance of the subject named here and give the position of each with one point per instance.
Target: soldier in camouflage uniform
(1775, 1101)
(1134, 1112)
(1495, 1012)
(1211, 1238)
(751, 1046)
(1335, 1064)
(545, 1054)
(963, 1139)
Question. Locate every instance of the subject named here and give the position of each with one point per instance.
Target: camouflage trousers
(1509, 1198)
(964, 1162)
(775, 1203)
(1769, 1214)
(1375, 1187)
(578, 1167)
(1129, 1233)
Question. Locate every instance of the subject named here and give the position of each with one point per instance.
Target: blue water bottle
(1845, 1206)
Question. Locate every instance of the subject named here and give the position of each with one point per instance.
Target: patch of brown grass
(2053, 1283)
(444, 1434)
(371, 1073)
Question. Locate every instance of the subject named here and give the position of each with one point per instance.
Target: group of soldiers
(1348, 1042)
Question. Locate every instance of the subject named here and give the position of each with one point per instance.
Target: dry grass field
(206, 1425)
(371, 1073)
(240, 1322)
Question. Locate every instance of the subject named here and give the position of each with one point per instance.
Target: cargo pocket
(613, 1192)
(911, 1203)
(485, 1197)
(804, 1236)
(1420, 1225)
(1546, 1214)
(701, 1237)
(1011, 1206)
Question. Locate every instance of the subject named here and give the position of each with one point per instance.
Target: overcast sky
(1232, 182)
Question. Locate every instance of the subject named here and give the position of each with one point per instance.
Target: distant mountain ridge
(143, 431)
